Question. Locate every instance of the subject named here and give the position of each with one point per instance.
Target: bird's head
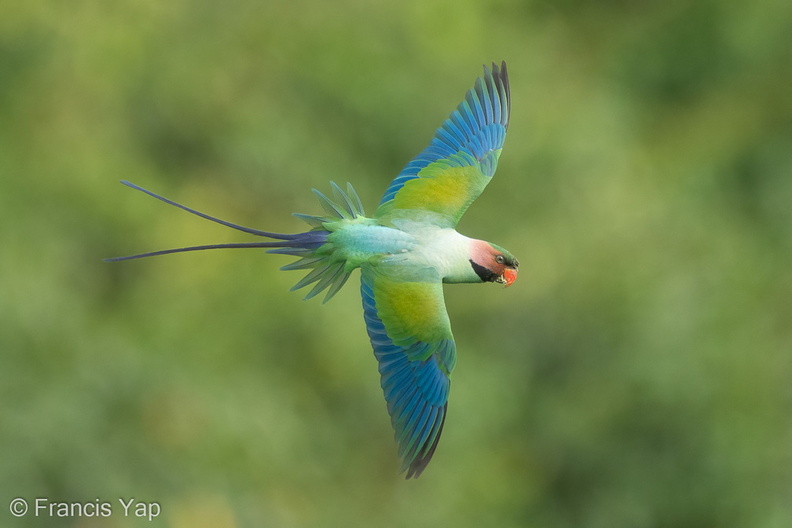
(493, 263)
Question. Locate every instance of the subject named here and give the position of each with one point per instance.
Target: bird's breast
(443, 250)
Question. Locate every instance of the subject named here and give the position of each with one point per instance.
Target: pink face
(501, 266)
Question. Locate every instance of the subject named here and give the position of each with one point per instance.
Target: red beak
(509, 276)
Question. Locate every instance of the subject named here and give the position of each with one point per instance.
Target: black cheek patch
(485, 274)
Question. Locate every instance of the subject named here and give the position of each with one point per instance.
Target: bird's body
(406, 250)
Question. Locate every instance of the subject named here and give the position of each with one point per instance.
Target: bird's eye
(499, 259)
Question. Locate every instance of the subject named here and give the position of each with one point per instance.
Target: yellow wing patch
(439, 188)
(412, 311)
(444, 192)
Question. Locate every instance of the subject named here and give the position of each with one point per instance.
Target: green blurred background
(637, 375)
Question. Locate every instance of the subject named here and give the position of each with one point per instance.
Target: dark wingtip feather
(418, 465)
(500, 76)
(504, 76)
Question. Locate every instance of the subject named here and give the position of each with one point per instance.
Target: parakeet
(406, 251)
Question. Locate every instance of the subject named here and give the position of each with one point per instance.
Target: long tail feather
(315, 252)
(257, 232)
(197, 248)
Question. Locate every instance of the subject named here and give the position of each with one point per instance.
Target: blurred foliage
(638, 375)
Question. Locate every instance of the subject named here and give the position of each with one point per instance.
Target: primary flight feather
(405, 252)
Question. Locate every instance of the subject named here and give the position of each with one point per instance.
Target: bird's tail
(315, 252)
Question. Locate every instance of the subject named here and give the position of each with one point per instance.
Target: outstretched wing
(411, 336)
(459, 162)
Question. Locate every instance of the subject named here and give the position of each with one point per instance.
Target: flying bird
(406, 251)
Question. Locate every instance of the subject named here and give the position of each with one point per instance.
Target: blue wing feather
(477, 127)
(416, 390)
